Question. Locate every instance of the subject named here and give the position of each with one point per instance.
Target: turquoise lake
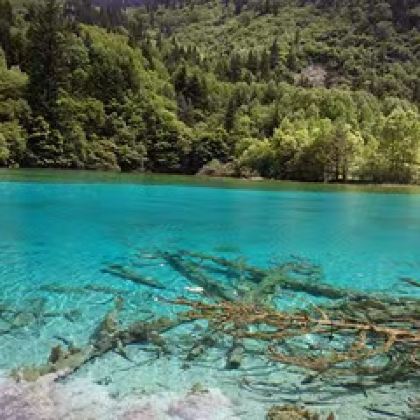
(63, 229)
(65, 232)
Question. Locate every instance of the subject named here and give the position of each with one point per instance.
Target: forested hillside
(319, 90)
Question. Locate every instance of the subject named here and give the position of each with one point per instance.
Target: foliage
(304, 90)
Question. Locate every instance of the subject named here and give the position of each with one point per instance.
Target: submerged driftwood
(293, 412)
(338, 346)
(109, 336)
(414, 405)
(358, 335)
(125, 273)
(193, 273)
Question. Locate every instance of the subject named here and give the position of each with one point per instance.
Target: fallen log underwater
(125, 273)
(108, 336)
(367, 337)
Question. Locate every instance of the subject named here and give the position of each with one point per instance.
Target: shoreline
(53, 175)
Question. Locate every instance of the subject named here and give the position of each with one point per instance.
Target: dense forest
(316, 90)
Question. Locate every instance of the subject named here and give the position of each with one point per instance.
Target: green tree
(274, 55)
(230, 114)
(47, 63)
(207, 146)
(340, 152)
(14, 113)
(6, 22)
(400, 144)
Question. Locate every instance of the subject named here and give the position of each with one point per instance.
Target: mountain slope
(307, 90)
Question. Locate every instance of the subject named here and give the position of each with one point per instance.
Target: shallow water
(61, 229)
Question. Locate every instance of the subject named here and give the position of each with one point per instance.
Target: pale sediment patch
(49, 399)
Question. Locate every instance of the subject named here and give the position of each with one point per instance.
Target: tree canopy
(315, 90)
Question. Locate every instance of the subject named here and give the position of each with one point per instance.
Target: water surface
(62, 228)
(64, 231)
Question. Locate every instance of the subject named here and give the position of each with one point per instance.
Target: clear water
(63, 233)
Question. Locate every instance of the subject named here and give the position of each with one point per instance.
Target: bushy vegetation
(305, 90)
